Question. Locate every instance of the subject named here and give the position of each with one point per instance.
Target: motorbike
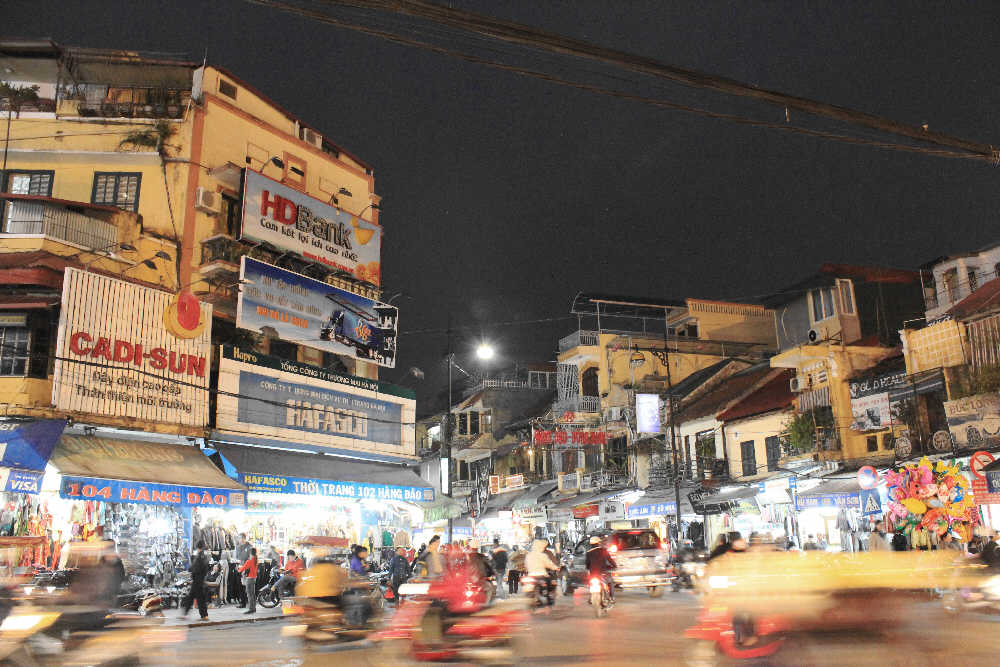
(686, 573)
(447, 619)
(540, 591)
(983, 598)
(269, 596)
(600, 596)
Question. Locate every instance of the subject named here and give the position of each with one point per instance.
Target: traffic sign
(871, 503)
(867, 477)
(978, 461)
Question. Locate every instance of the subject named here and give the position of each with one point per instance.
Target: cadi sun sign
(132, 352)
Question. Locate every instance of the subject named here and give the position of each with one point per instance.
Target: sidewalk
(226, 615)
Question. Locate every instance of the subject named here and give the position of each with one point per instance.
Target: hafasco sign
(335, 489)
(118, 352)
(291, 220)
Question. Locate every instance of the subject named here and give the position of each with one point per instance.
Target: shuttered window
(117, 189)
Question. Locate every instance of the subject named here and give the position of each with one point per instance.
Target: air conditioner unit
(796, 385)
(311, 137)
(818, 334)
(207, 201)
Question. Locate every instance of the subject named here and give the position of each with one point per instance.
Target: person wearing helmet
(600, 564)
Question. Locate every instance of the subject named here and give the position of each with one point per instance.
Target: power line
(525, 35)
(987, 154)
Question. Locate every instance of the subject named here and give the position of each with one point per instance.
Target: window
(227, 88)
(748, 453)
(872, 443)
(117, 189)
(463, 423)
(773, 446)
(888, 442)
(232, 214)
(295, 171)
(29, 183)
(973, 280)
(14, 351)
(822, 303)
(284, 350)
(588, 383)
(846, 296)
(473, 423)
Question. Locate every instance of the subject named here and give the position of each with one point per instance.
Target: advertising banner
(334, 489)
(838, 500)
(291, 220)
(148, 493)
(28, 443)
(313, 313)
(585, 511)
(565, 436)
(647, 413)
(20, 481)
(974, 421)
(286, 404)
(121, 352)
(870, 407)
(650, 509)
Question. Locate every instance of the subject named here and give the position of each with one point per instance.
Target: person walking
(399, 571)
(499, 565)
(198, 569)
(249, 571)
(516, 568)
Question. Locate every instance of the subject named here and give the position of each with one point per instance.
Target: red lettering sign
(124, 351)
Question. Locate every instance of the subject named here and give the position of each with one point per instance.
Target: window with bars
(14, 343)
(748, 454)
(119, 189)
(29, 183)
(772, 445)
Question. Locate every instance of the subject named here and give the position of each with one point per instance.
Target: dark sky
(504, 196)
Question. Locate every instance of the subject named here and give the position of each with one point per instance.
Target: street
(638, 630)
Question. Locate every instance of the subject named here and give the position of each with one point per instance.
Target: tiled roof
(722, 396)
(985, 298)
(774, 395)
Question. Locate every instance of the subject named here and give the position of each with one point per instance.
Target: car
(642, 559)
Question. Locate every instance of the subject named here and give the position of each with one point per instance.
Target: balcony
(586, 404)
(578, 338)
(77, 223)
(220, 255)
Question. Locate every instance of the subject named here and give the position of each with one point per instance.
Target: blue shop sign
(835, 500)
(146, 493)
(653, 509)
(325, 487)
(993, 481)
(28, 444)
(20, 481)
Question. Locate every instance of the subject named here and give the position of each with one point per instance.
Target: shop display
(928, 500)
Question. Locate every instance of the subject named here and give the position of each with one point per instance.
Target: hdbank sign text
(323, 487)
(116, 491)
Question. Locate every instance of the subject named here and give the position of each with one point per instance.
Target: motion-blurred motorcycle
(332, 606)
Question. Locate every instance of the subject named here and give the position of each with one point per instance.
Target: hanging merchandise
(929, 499)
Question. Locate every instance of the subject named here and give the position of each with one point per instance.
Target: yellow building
(131, 167)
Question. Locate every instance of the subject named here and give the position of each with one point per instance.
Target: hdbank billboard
(310, 312)
(269, 401)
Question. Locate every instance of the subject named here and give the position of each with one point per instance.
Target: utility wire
(525, 35)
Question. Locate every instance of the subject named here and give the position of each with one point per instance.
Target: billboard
(870, 406)
(118, 353)
(291, 220)
(269, 401)
(974, 421)
(310, 312)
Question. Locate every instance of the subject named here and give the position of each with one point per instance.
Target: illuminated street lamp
(484, 351)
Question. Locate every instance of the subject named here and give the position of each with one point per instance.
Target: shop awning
(835, 493)
(152, 473)
(282, 471)
(470, 454)
(531, 498)
(720, 502)
(25, 447)
(442, 508)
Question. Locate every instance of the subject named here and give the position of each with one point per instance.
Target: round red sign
(867, 477)
(978, 461)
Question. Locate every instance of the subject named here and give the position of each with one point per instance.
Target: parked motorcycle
(269, 596)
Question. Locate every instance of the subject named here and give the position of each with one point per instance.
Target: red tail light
(595, 585)
(613, 548)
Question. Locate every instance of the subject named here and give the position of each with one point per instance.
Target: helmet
(595, 540)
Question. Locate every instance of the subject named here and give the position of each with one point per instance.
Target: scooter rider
(293, 567)
(541, 566)
(600, 564)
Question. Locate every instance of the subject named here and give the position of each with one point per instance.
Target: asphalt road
(638, 631)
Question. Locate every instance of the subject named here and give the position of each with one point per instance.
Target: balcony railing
(60, 222)
(578, 338)
(590, 404)
(222, 249)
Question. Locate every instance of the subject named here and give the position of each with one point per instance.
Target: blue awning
(25, 448)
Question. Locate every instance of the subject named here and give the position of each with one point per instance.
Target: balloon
(914, 505)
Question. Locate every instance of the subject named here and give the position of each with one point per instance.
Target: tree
(16, 97)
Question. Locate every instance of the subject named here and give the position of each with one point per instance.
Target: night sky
(504, 196)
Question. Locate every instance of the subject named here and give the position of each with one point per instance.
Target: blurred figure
(811, 544)
(399, 572)
(876, 540)
(990, 553)
(272, 555)
(499, 565)
(198, 569)
(516, 569)
(600, 565)
(432, 557)
(293, 567)
(359, 567)
(242, 554)
(951, 542)
(899, 542)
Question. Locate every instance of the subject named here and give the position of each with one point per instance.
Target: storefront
(295, 496)
(830, 511)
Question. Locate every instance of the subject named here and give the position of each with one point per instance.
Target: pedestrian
(198, 569)
(811, 544)
(242, 554)
(899, 542)
(876, 540)
(432, 557)
(399, 571)
(991, 551)
(249, 570)
(516, 568)
(500, 565)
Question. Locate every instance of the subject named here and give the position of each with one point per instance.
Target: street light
(484, 351)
